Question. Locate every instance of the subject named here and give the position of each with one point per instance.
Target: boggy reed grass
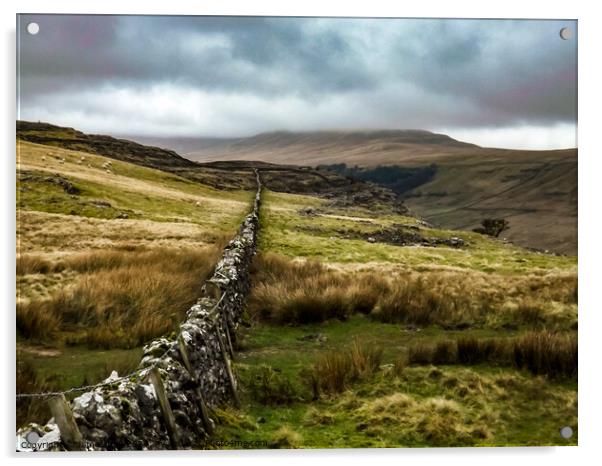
(540, 352)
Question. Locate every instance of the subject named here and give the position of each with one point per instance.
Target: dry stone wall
(125, 413)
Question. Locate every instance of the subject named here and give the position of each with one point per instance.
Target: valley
(535, 190)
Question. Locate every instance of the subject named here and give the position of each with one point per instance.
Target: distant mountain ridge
(312, 147)
(287, 138)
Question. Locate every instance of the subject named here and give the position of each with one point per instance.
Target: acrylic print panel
(276, 232)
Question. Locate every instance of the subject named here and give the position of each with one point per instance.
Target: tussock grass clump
(365, 292)
(35, 324)
(318, 417)
(232, 418)
(285, 437)
(551, 287)
(123, 298)
(541, 353)
(34, 264)
(421, 353)
(529, 312)
(400, 364)
(335, 370)
(422, 301)
(548, 353)
(288, 292)
(458, 406)
(478, 350)
(432, 421)
(331, 373)
(446, 352)
(365, 359)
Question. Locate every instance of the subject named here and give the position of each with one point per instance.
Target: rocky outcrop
(124, 413)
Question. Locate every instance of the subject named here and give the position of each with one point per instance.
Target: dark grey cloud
(296, 73)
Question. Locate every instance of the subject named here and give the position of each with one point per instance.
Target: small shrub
(492, 226)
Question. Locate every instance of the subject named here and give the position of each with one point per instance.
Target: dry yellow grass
(113, 282)
(56, 235)
(301, 292)
(120, 298)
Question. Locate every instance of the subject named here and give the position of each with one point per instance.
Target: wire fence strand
(212, 315)
(139, 371)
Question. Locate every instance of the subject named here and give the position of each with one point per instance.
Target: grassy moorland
(109, 256)
(357, 341)
(366, 327)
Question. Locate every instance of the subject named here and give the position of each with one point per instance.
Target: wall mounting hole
(33, 28)
(566, 432)
(566, 33)
(32, 437)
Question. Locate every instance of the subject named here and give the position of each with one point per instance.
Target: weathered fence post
(229, 372)
(227, 331)
(170, 422)
(63, 416)
(197, 391)
(212, 290)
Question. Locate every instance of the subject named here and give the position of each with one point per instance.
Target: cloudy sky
(495, 83)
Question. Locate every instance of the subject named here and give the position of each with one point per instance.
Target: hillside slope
(535, 190)
(120, 149)
(228, 175)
